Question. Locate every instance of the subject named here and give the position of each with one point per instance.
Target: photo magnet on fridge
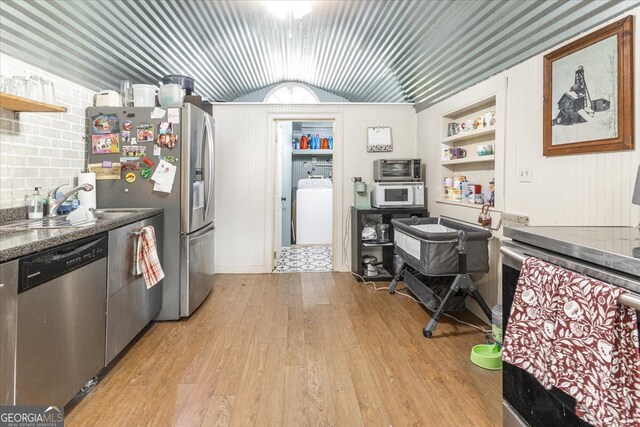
(171, 141)
(162, 140)
(104, 123)
(130, 163)
(167, 141)
(105, 144)
(127, 125)
(126, 137)
(145, 132)
(165, 128)
(134, 150)
(105, 170)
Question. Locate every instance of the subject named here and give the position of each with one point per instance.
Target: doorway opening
(304, 196)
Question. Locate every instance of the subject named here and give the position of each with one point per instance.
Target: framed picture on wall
(379, 140)
(588, 93)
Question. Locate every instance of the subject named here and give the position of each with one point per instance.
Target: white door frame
(270, 186)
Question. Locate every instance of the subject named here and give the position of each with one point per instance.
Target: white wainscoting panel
(245, 166)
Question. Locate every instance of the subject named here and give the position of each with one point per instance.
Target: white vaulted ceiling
(365, 51)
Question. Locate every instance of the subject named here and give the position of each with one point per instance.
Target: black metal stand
(358, 217)
(462, 282)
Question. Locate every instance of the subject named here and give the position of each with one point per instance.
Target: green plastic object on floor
(487, 356)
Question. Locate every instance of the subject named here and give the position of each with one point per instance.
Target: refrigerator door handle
(209, 182)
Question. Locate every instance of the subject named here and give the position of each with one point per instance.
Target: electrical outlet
(524, 173)
(514, 219)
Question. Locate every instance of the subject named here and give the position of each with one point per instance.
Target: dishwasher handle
(136, 267)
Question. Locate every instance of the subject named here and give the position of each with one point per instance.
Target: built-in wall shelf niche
(473, 159)
(462, 136)
(25, 105)
(472, 144)
(312, 152)
(464, 205)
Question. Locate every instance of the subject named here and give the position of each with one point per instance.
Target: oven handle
(518, 258)
(629, 299)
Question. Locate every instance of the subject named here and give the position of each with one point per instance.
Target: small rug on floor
(304, 258)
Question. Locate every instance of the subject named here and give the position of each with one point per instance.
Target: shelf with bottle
(459, 190)
(312, 142)
(474, 133)
(478, 153)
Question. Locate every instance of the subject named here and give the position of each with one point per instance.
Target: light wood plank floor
(297, 349)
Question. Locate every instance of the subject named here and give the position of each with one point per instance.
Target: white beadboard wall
(245, 151)
(41, 149)
(588, 190)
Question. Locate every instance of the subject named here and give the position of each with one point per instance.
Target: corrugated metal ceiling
(365, 51)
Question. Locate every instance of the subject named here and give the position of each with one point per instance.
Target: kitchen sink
(44, 223)
(61, 221)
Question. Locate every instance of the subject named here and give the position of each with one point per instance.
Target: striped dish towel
(147, 257)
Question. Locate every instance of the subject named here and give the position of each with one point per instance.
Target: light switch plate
(524, 172)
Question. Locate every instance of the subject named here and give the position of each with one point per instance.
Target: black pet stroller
(438, 255)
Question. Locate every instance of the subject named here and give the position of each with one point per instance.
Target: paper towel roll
(87, 198)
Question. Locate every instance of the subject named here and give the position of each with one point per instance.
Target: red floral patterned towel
(531, 328)
(589, 348)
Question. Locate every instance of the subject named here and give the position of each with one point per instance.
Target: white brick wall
(41, 149)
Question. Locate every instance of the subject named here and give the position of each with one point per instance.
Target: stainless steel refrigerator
(188, 243)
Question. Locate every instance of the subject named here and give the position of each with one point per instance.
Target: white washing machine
(314, 212)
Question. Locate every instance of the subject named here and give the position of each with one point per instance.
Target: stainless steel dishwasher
(61, 321)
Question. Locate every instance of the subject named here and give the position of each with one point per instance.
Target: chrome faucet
(51, 196)
(53, 209)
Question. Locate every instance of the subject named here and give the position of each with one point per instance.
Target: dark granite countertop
(616, 248)
(15, 244)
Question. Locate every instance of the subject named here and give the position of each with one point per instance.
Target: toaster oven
(396, 170)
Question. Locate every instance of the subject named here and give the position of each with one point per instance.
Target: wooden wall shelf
(25, 105)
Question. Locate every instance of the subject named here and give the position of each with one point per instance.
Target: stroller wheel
(427, 333)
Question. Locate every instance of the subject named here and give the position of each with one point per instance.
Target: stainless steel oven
(396, 170)
(525, 401)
